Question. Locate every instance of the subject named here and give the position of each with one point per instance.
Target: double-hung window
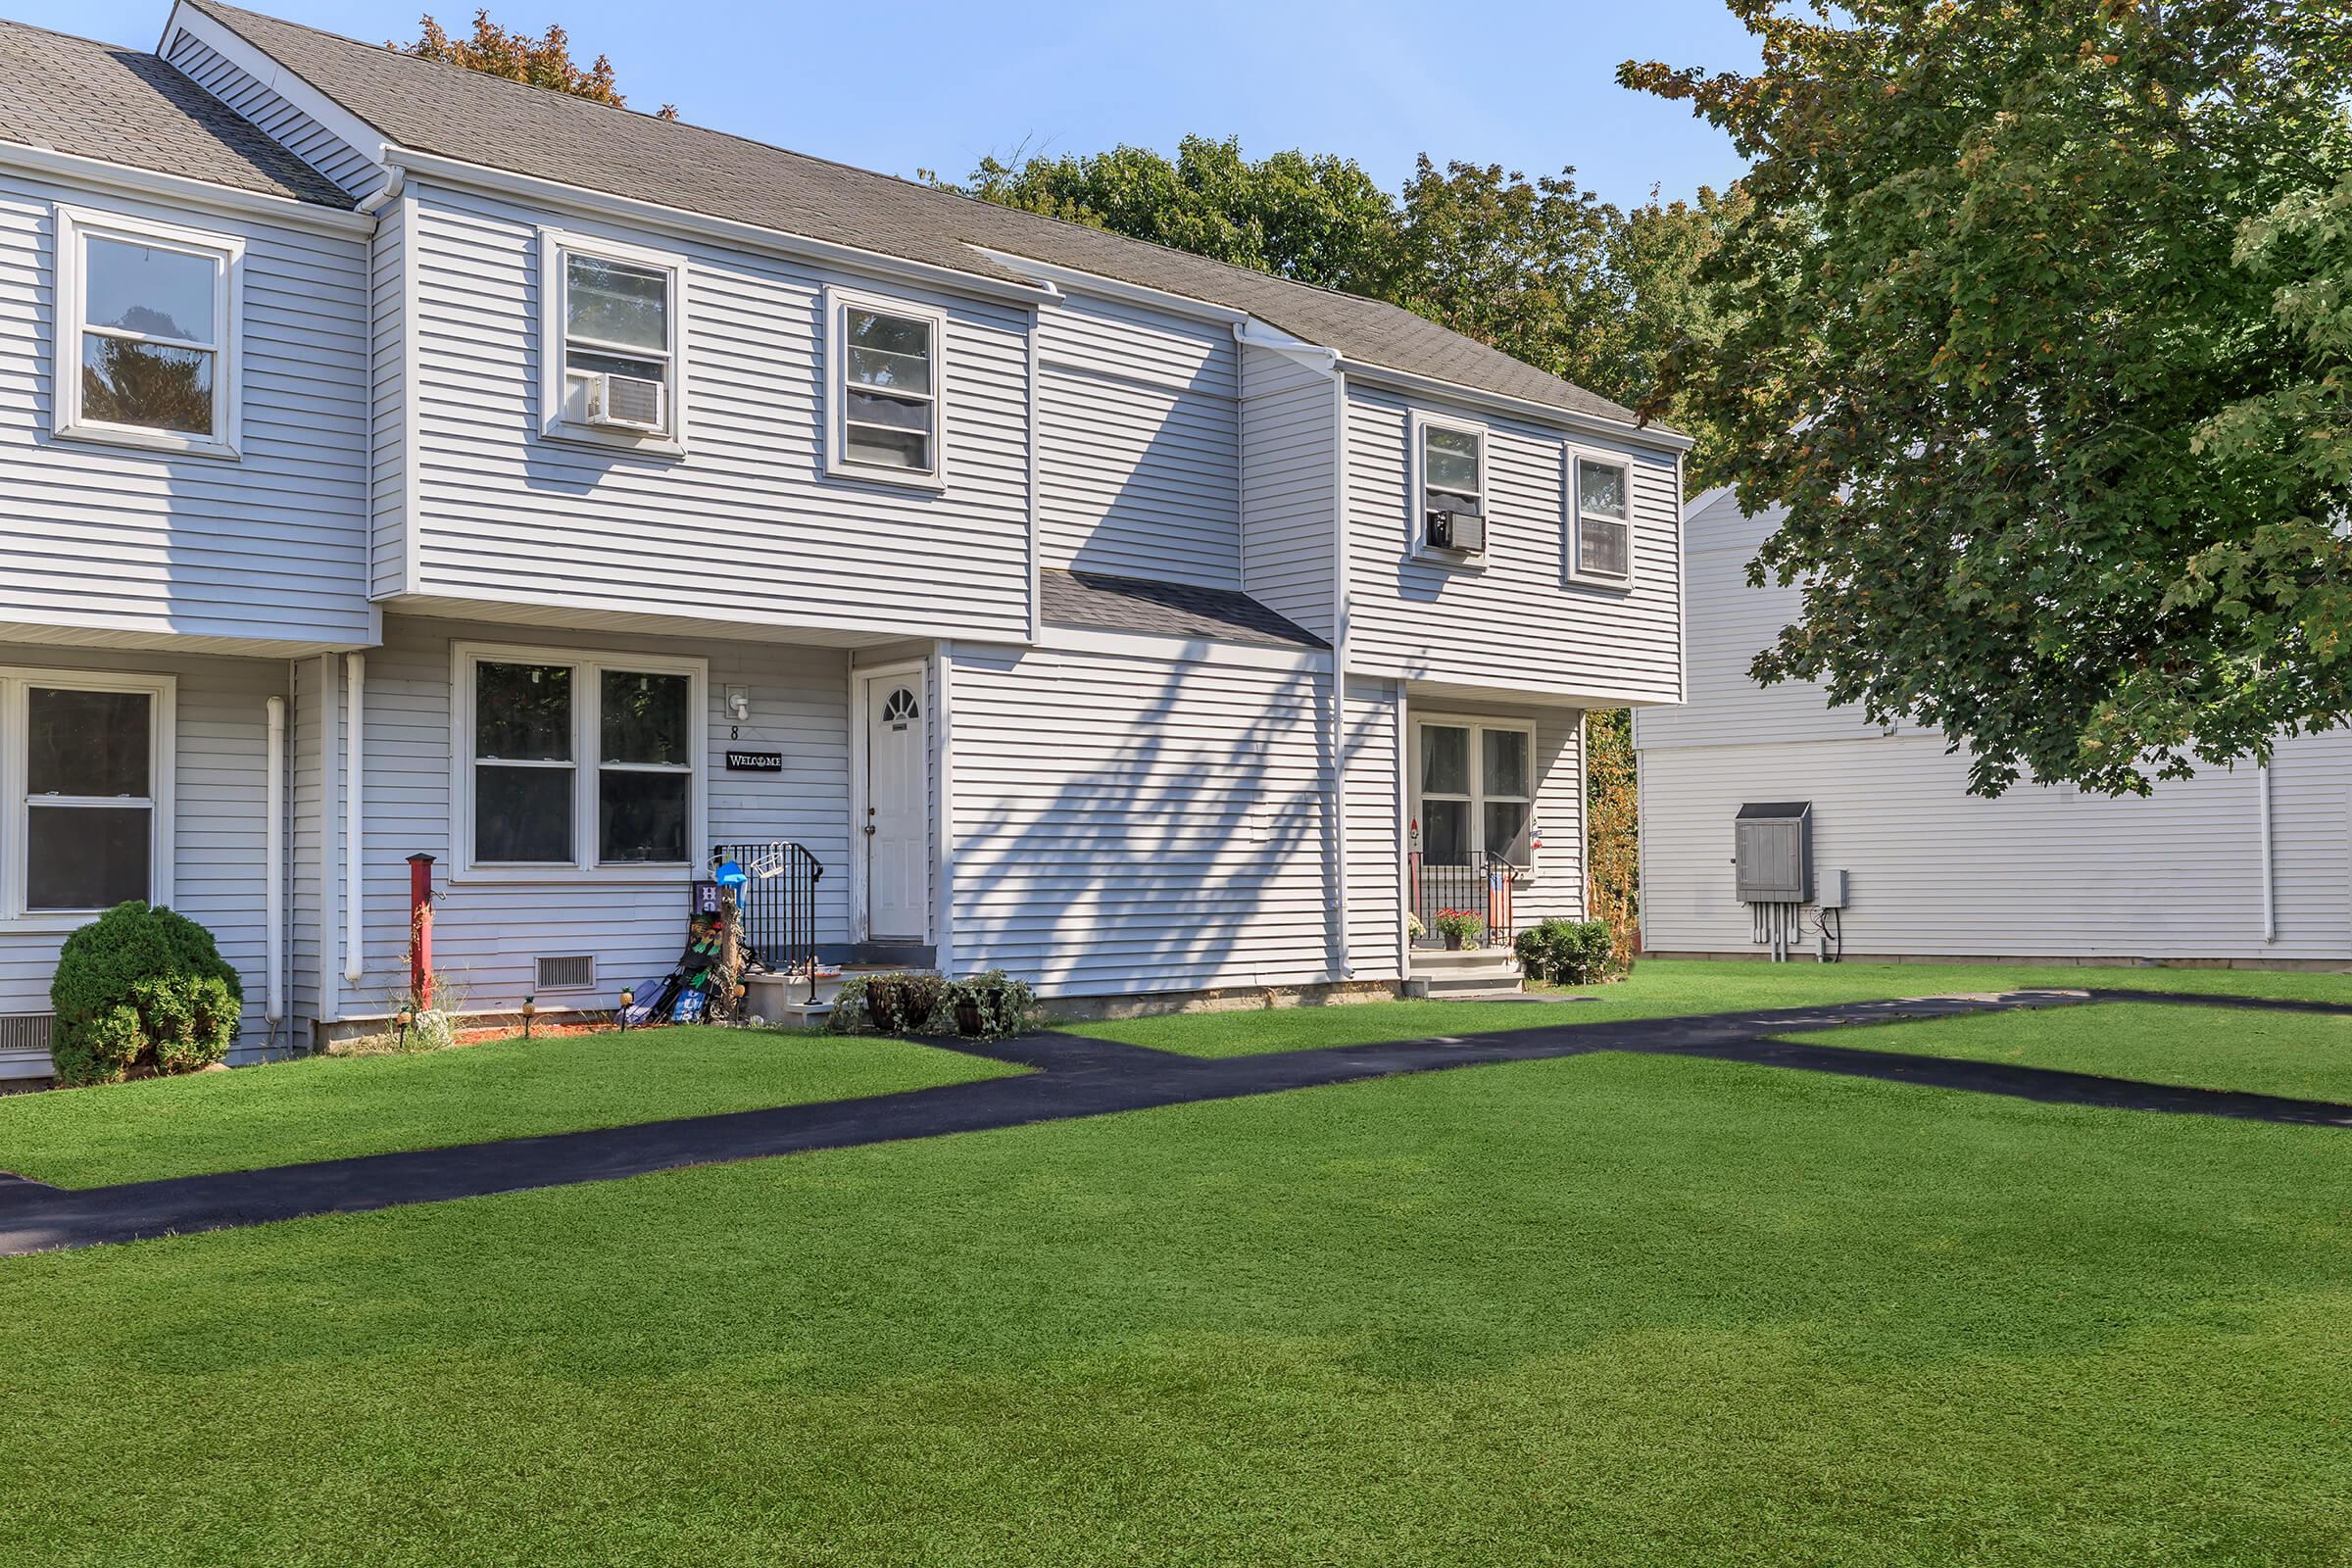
(578, 763)
(1600, 519)
(614, 328)
(884, 383)
(87, 763)
(147, 329)
(1450, 488)
(1476, 792)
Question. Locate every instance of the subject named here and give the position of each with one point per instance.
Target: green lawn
(2300, 1054)
(1663, 989)
(324, 1107)
(1600, 1311)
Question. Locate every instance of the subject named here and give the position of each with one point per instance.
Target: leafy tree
(1542, 270)
(542, 62)
(1314, 218)
(1613, 830)
(2045, 442)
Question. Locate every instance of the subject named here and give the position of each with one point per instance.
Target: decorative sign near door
(754, 761)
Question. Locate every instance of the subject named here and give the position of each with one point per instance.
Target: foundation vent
(571, 973)
(25, 1034)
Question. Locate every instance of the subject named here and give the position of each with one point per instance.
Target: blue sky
(925, 85)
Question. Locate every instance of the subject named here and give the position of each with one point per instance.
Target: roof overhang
(584, 202)
(180, 190)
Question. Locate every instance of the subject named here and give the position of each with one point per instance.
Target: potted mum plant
(1461, 928)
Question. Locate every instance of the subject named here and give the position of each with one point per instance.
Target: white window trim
(162, 694)
(75, 225)
(1573, 515)
(839, 302)
(1478, 778)
(1418, 462)
(585, 665)
(555, 244)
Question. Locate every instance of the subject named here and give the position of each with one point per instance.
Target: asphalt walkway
(1075, 1076)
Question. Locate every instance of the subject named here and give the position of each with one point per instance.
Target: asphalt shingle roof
(1131, 604)
(100, 100)
(437, 108)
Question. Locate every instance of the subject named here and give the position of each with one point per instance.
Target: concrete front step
(1439, 960)
(1448, 987)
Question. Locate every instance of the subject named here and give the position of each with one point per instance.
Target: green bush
(140, 990)
(1573, 953)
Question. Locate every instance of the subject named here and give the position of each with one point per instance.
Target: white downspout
(355, 681)
(1339, 656)
(275, 901)
(2270, 893)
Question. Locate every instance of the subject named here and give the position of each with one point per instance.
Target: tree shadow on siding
(1181, 844)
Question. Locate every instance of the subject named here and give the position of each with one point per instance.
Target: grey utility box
(1773, 851)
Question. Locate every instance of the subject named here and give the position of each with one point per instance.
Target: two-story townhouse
(1140, 625)
(183, 416)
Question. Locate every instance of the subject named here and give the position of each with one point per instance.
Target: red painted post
(420, 929)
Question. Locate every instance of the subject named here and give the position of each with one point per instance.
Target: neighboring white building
(2246, 865)
(578, 492)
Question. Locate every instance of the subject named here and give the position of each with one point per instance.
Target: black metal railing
(778, 904)
(1477, 883)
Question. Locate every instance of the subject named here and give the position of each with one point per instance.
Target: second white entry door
(897, 826)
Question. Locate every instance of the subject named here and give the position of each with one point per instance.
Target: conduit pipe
(2270, 892)
(355, 685)
(275, 901)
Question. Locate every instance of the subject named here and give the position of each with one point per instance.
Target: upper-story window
(614, 330)
(146, 350)
(884, 386)
(1601, 520)
(1450, 487)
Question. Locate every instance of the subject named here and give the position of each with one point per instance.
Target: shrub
(140, 990)
(1575, 953)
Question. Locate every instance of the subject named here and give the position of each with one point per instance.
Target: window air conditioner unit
(625, 402)
(1465, 531)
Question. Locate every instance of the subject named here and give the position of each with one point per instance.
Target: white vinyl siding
(2038, 873)
(1139, 445)
(1130, 824)
(488, 932)
(744, 529)
(390, 343)
(2041, 872)
(218, 798)
(1374, 840)
(1730, 624)
(1289, 447)
(268, 549)
(288, 126)
(1515, 624)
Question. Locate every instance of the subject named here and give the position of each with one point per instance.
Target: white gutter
(46, 163)
(354, 673)
(274, 898)
(384, 196)
(1525, 407)
(637, 213)
(2270, 892)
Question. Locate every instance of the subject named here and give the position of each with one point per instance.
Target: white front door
(897, 827)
